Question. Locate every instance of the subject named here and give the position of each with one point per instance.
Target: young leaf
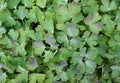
(88, 7)
(22, 76)
(21, 12)
(35, 77)
(62, 38)
(75, 42)
(107, 5)
(41, 3)
(90, 66)
(12, 81)
(62, 14)
(21, 49)
(77, 18)
(32, 15)
(48, 56)
(72, 30)
(74, 8)
(91, 55)
(39, 13)
(48, 25)
(110, 25)
(28, 3)
(13, 34)
(6, 18)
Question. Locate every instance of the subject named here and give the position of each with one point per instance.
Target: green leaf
(13, 34)
(3, 5)
(32, 63)
(21, 12)
(5, 17)
(72, 30)
(50, 77)
(107, 5)
(92, 40)
(48, 56)
(116, 71)
(74, 8)
(98, 60)
(12, 4)
(60, 26)
(38, 47)
(77, 18)
(12, 81)
(62, 14)
(117, 18)
(2, 31)
(51, 41)
(60, 2)
(21, 48)
(88, 7)
(92, 21)
(7, 42)
(39, 13)
(32, 15)
(22, 76)
(92, 18)
(50, 14)
(35, 77)
(109, 27)
(96, 28)
(41, 3)
(30, 34)
(92, 54)
(48, 25)
(90, 66)
(28, 3)
(0, 23)
(3, 77)
(62, 38)
(64, 76)
(75, 42)
(81, 67)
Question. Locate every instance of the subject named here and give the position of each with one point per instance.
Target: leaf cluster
(59, 41)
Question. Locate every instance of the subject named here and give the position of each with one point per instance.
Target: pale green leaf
(35, 77)
(48, 56)
(74, 8)
(41, 3)
(21, 12)
(3, 77)
(13, 34)
(2, 31)
(90, 66)
(28, 3)
(72, 30)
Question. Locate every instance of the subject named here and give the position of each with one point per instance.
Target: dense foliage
(59, 41)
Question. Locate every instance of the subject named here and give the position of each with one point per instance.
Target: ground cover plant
(59, 41)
